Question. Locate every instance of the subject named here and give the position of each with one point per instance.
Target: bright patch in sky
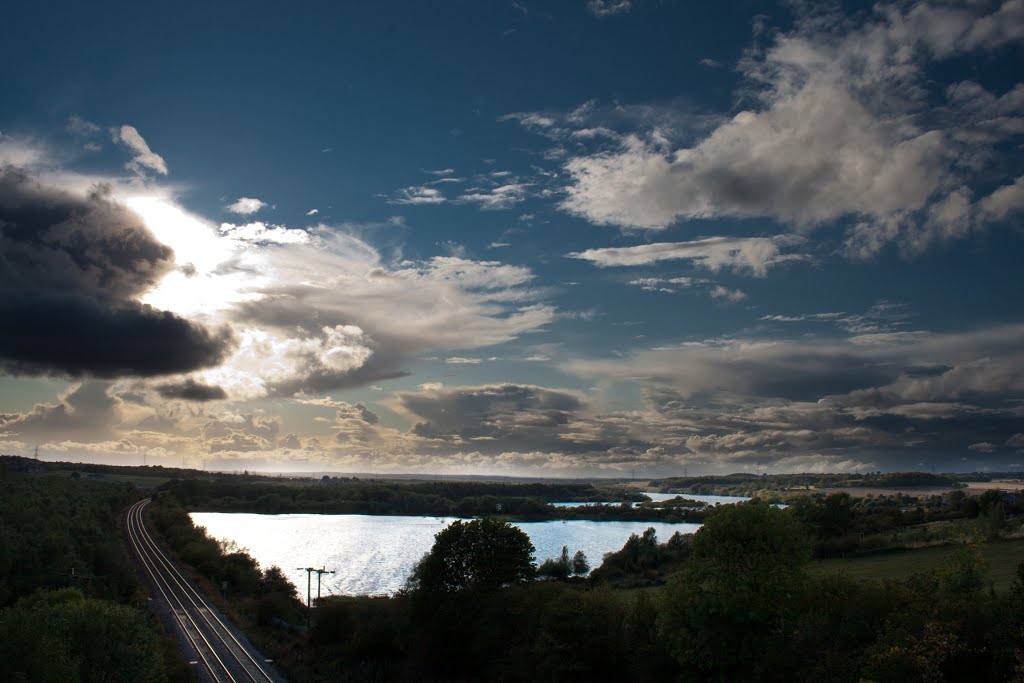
(196, 286)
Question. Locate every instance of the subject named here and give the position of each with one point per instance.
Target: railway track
(223, 656)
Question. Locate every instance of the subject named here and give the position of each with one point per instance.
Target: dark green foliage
(580, 563)
(745, 484)
(556, 567)
(64, 637)
(966, 572)
(479, 556)
(643, 561)
(57, 532)
(842, 525)
(360, 638)
(736, 591)
(582, 636)
(991, 518)
(564, 566)
(741, 609)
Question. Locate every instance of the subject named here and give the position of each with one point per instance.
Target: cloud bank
(842, 124)
(71, 271)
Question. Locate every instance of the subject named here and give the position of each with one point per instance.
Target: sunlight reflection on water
(376, 553)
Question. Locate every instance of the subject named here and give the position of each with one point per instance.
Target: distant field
(863, 491)
(1002, 559)
(1002, 485)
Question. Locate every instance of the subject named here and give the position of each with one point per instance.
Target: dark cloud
(320, 380)
(884, 400)
(516, 418)
(191, 390)
(71, 269)
(475, 412)
(75, 336)
(366, 414)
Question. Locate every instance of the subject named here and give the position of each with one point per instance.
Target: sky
(594, 238)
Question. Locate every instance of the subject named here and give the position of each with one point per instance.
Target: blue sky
(514, 238)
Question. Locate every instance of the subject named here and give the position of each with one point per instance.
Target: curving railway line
(221, 653)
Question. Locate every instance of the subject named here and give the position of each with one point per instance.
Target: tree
(731, 600)
(965, 572)
(580, 565)
(481, 555)
(992, 519)
(556, 567)
(273, 580)
(64, 636)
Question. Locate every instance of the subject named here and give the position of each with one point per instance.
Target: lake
(374, 554)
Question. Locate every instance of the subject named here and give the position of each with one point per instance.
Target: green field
(1001, 559)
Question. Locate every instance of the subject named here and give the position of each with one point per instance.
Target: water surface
(374, 554)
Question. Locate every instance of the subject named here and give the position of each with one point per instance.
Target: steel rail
(207, 612)
(181, 614)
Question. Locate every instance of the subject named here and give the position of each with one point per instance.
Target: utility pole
(309, 579)
(309, 586)
(319, 573)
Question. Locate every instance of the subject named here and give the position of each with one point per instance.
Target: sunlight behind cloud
(200, 285)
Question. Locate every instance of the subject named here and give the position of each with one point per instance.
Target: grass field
(1001, 561)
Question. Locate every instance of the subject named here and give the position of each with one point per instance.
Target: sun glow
(213, 271)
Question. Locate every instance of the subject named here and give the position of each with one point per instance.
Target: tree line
(71, 606)
(741, 606)
(518, 501)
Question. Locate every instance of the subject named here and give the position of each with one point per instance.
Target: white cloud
(21, 153)
(742, 254)
(882, 321)
(312, 212)
(607, 8)
(843, 122)
(532, 119)
(1004, 201)
(666, 285)
(418, 194)
(246, 205)
(501, 197)
(459, 360)
(330, 280)
(726, 294)
(144, 156)
(76, 125)
(257, 232)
